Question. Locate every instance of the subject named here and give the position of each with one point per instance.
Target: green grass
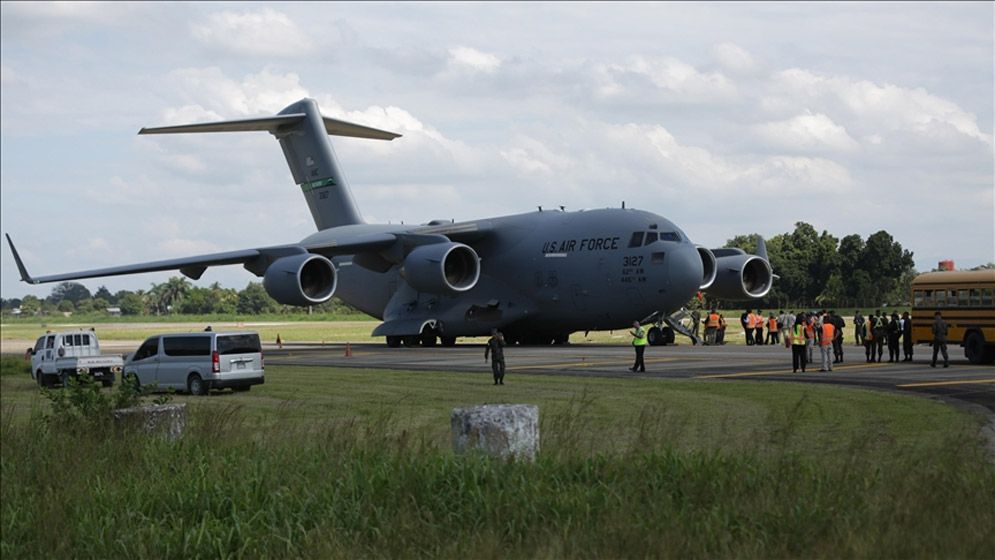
(340, 463)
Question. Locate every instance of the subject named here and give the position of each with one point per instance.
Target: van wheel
(196, 385)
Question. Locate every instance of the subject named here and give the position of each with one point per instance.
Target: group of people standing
(754, 324)
(808, 330)
(877, 329)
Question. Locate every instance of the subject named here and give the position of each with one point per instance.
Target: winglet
(25, 277)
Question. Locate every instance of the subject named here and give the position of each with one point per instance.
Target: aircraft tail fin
(303, 134)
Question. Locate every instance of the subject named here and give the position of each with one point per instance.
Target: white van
(198, 362)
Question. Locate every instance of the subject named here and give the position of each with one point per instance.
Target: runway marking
(780, 372)
(589, 364)
(939, 383)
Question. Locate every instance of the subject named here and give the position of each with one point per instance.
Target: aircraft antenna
(623, 205)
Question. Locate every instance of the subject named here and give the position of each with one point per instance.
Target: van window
(148, 349)
(50, 343)
(238, 344)
(86, 340)
(67, 340)
(187, 345)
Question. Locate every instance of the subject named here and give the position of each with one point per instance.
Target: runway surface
(960, 382)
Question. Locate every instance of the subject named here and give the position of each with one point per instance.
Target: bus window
(917, 298)
(963, 298)
(986, 297)
(975, 297)
(940, 297)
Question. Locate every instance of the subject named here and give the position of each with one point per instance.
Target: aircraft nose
(685, 272)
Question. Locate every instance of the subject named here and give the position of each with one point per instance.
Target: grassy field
(337, 463)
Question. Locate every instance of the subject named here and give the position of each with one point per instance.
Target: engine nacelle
(708, 267)
(302, 280)
(740, 276)
(442, 268)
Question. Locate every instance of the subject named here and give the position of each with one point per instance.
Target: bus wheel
(974, 348)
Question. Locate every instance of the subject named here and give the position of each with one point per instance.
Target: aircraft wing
(254, 260)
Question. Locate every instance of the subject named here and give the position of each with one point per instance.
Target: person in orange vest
(799, 341)
(711, 327)
(773, 334)
(744, 320)
(826, 332)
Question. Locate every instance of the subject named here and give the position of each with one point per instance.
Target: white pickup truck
(59, 356)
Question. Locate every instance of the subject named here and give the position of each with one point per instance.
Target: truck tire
(40, 378)
(196, 385)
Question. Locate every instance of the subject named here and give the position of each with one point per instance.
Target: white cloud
(466, 59)
(878, 109)
(734, 58)
(265, 32)
(806, 133)
(671, 80)
(208, 91)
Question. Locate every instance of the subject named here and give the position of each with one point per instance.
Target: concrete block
(168, 420)
(498, 430)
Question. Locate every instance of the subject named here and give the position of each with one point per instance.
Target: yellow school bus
(965, 300)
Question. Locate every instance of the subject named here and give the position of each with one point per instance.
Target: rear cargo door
(239, 353)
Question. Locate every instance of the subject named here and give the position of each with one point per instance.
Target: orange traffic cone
(348, 350)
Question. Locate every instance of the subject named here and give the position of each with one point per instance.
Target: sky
(726, 118)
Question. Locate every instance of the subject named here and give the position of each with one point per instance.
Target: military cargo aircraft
(537, 276)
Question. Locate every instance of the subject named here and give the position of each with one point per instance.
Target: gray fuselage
(543, 272)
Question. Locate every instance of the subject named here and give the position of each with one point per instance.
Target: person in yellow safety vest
(826, 333)
(798, 343)
(639, 343)
(711, 327)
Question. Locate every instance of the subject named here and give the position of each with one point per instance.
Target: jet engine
(708, 266)
(442, 268)
(302, 280)
(740, 276)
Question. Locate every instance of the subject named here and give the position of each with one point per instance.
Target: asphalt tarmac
(961, 382)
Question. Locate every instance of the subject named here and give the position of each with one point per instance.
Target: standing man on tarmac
(826, 334)
(758, 326)
(907, 336)
(639, 344)
(939, 339)
(711, 327)
(744, 320)
(880, 334)
(858, 328)
(798, 343)
(837, 322)
(495, 348)
(894, 333)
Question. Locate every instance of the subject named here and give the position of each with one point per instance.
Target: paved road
(962, 381)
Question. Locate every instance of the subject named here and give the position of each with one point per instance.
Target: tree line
(820, 270)
(177, 295)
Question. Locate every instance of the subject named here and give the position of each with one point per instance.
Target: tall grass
(370, 487)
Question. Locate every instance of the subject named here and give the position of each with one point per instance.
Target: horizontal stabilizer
(273, 124)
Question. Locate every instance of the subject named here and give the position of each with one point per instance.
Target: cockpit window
(650, 238)
(637, 240)
(670, 236)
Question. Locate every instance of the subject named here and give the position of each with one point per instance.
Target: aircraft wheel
(411, 340)
(393, 341)
(668, 335)
(448, 341)
(655, 336)
(428, 338)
